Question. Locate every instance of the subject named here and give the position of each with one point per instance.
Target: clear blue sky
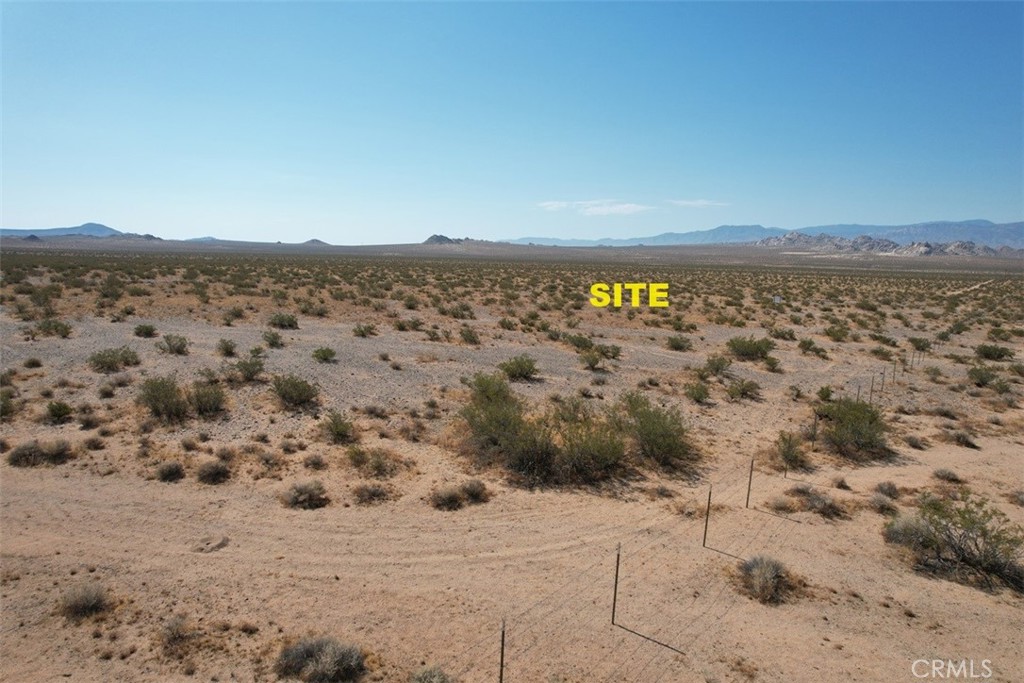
(381, 123)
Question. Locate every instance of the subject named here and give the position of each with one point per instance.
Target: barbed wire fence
(611, 598)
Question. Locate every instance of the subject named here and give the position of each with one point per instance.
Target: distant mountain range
(980, 232)
(800, 242)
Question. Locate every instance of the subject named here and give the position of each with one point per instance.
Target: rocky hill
(829, 244)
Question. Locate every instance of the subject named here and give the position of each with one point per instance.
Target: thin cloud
(596, 207)
(696, 203)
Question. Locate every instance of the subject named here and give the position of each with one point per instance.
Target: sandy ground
(416, 586)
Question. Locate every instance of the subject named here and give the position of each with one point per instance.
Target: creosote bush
(113, 360)
(965, 540)
(295, 392)
(765, 579)
(169, 472)
(283, 321)
(145, 331)
(337, 428)
(206, 399)
(324, 355)
(164, 398)
(174, 344)
(320, 660)
(748, 348)
(447, 498)
(522, 367)
(58, 412)
(854, 429)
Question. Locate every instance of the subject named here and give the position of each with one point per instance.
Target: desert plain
(209, 457)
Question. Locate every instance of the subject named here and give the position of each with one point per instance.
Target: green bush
(469, 335)
(33, 454)
(206, 399)
(854, 429)
(431, 675)
(658, 433)
(748, 348)
(320, 660)
(521, 367)
(337, 428)
(365, 331)
(273, 339)
(981, 376)
(717, 366)
(993, 352)
(145, 331)
(295, 392)
(324, 355)
(679, 343)
(591, 449)
(787, 447)
(58, 412)
(283, 321)
(963, 539)
(50, 327)
(164, 398)
(920, 344)
(113, 360)
(837, 333)
(698, 392)
(808, 346)
(740, 389)
(226, 348)
(249, 368)
(174, 344)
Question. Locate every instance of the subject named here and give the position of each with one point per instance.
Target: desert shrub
(915, 442)
(7, 404)
(145, 331)
(226, 348)
(889, 489)
(717, 366)
(295, 392)
(992, 352)
(837, 333)
(170, 471)
(50, 327)
(740, 389)
(337, 428)
(283, 321)
(206, 399)
(920, 344)
(84, 600)
(981, 376)
(591, 448)
(174, 344)
(698, 392)
(324, 355)
(765, 579)
(58, 412)
(431, 675)
(33, 454)
(748, 348)
(213, 472)
(882, 504)
(1016, 497)
(32, 363)
(308, 495)
(787, 447)
(113, 360)
(469, 335)
(320, 660)
(314, 461)
(854, 429)
(447, 498)
(521, 367)
(475, 491)
(249, 368)
(494, 415)
(658, 433)
(808, 346)
(368, 494)
(364, 331)
(591, 359)
(815, 501)
(782, 333)
(964, 539)
(164, 398)
(273, 339)
(947, 475)
(678, 343)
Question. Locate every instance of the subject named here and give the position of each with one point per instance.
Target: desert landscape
(442, 463)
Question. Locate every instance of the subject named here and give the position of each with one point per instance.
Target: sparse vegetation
(765, 579)
(113, 360)
(33, 454)
(854, 429)
(173, 344)
(164, 398)
(519, 368)
(320, 660)
(308, 495)
(295, 392)
(84, 600)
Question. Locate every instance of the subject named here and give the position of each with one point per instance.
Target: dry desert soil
(208, 576)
